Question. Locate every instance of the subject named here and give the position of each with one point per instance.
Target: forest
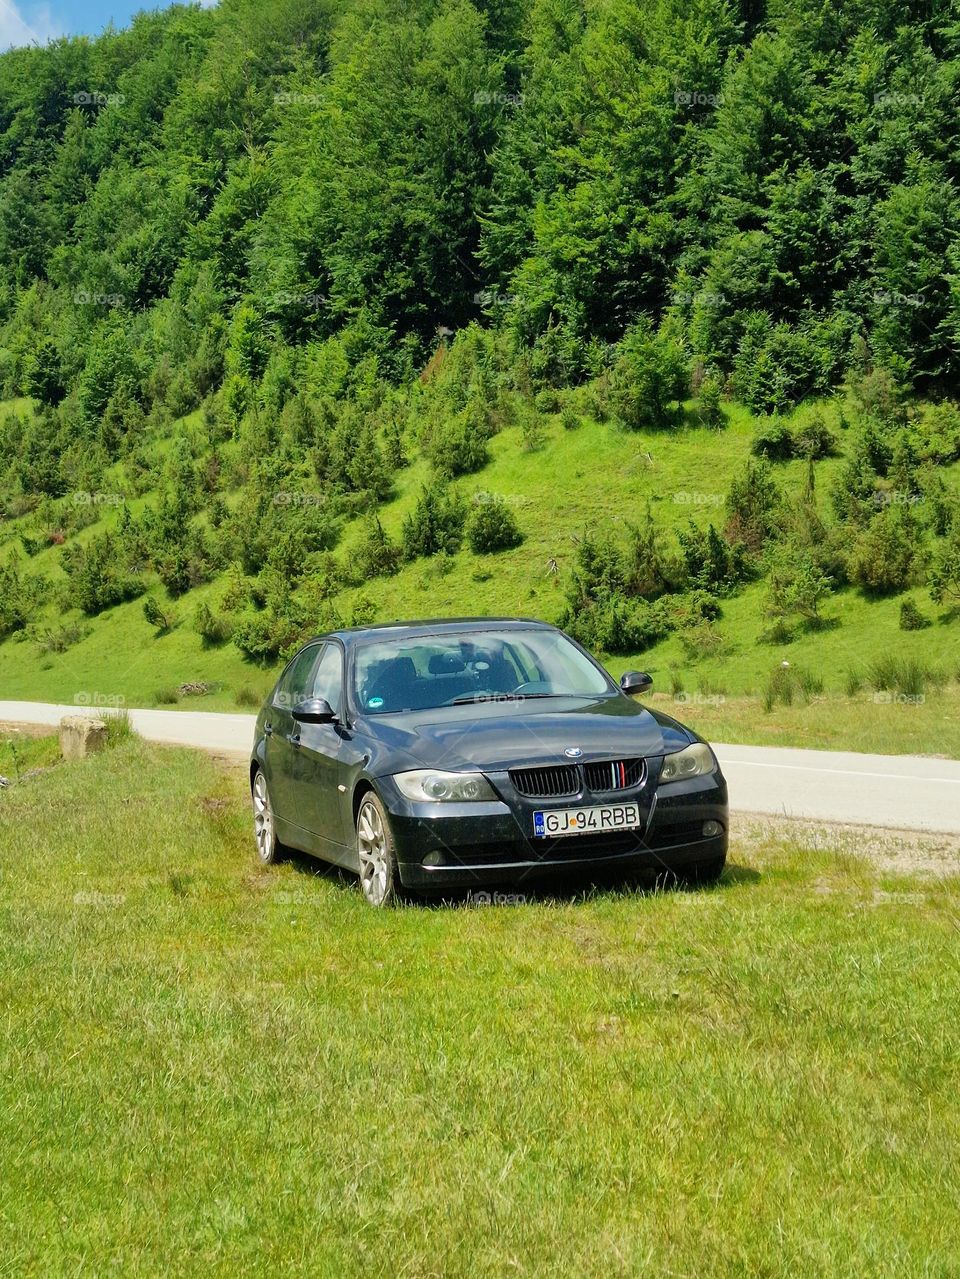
(257, 259)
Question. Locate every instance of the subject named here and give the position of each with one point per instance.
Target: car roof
(436, 626)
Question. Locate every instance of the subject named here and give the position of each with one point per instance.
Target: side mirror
(314, 710)
(632, 682)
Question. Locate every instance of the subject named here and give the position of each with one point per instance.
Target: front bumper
(458, 846)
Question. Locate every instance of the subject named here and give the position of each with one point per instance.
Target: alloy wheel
(374, 854)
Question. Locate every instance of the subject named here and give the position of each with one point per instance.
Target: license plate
(554, 822)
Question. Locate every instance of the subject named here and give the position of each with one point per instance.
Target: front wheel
(269, 848)
(379, 878)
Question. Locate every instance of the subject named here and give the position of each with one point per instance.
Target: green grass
(595, 476)
(207, 1068)
(21, 751)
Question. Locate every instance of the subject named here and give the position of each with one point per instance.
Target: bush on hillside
(492, 526)
(98, 576)
(884, 557)
(649, 378)
(435, 524)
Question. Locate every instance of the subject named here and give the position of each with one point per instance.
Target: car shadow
(569, 889)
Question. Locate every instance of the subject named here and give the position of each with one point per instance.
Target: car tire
(376, 853)
(269, 849)
(707, 872)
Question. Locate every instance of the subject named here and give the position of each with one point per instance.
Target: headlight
(692, 761)
(430, 786)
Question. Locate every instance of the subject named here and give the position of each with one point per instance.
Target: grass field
(208, 1068)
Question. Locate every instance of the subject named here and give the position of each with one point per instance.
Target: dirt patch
(9, 729)
(899, 851)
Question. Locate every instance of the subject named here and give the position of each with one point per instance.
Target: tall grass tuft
(119, 728)
(908, 675)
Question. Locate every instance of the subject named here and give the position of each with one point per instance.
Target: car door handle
(294, 739)
(268, 730)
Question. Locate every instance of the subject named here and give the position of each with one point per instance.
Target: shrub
(435, 524)
(911, 619)
(155, 616)
(21, 595)
(459, 446)
(213, 628)
(709, 561)
(774, 442)
(814, 439)
(547, 401)
(97, 576)
(884, 556)
(617, 624)
(944, 579)
(753, 505)
(709, 406)
(795, 585)
(58, 640)
(570, 419)
(649, 377)
(533, 436)
(492, 526)
(377, 555)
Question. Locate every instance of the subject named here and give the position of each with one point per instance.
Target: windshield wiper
(503, 697)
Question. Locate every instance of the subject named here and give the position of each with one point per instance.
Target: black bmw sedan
(466, 754)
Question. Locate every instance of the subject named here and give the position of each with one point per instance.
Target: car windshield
(428, 671)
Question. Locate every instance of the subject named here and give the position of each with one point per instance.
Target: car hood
(501, 735)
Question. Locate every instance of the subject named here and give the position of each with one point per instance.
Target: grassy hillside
(258, 1074)
(572, 483)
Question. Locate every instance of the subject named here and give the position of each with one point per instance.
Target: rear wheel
(379, 878)
(269, 848)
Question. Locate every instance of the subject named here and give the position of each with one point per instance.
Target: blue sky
(36, 21)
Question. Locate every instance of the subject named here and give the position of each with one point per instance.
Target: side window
(328, 680)
(295, 681)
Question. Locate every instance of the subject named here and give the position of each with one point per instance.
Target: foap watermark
(887, 99)
(702, 297)
(97, 98)
(102, 901)
(490, 297)
(700, 699)
(482, 898)
(485, 497)
(890, 297)
(82, 297)
(308, 301)
(297, 499)
(897, 497)
(113, 701)
(887, 697)
(497, 98)
(295, 99)
(85, 497)
(696, 98)
(698, 499)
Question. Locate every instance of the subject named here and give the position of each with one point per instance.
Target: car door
(316, 766)
(281, 731)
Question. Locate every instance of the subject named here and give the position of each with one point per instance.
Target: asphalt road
(907, 792)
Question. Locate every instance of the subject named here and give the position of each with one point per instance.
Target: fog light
(433, 859)
(710, 829)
